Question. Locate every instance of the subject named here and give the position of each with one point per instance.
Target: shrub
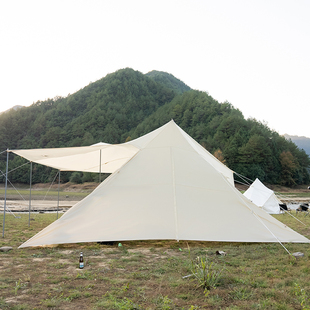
(76, 178)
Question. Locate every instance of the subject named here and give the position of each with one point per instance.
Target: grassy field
(296, 195)
(34, 193)
(40, 194)
(79, 191)
(149, 274)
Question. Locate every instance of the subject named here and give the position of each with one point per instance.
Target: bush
(206, 273)
(76, 178)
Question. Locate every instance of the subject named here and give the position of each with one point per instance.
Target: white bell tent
(263, 197)
(171, 188)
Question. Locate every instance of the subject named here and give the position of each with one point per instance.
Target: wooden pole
(6, 186)
(100, 168)
(58, 192)
(30, 193)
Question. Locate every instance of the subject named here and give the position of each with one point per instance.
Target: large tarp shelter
(172, 188)
(108, 158)
(100, 157)
(263, 197)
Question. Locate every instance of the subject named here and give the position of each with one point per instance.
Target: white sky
(254, 54)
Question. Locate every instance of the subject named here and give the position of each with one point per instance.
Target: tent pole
(30, 193)
(58, 192)
(6, 186)
(100, 167)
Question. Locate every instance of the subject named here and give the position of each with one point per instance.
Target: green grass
(149, 274)
(294, 195)
(25, 193)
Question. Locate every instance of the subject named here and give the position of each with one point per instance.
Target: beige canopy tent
(104, 157)
(100, 157)
(171, 188)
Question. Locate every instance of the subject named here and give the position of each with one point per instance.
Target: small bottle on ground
(81, 261)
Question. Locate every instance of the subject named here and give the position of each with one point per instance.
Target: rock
(5, 248)
(298, 254)
(220, 253)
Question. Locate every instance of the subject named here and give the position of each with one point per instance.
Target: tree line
(127, 104)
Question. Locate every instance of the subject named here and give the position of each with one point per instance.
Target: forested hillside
(127, 104)
(168, 80)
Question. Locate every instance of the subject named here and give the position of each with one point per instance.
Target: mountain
(127, 104)
(302, 142)
(168, 80)
(15, 108)
(103, 110)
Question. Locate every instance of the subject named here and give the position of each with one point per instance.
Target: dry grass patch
(149, 274)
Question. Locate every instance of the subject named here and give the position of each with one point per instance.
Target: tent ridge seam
(174, 196)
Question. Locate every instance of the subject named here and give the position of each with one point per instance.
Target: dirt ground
(49, 203)
(45, 202)
(36, 205)
(144, 274)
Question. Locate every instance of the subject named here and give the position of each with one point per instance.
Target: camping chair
(304, 207)
(283, 207)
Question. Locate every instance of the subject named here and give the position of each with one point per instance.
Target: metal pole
(100, 168)
(58, 192)
(30, 193)
(6, 185)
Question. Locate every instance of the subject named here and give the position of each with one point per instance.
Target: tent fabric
(263, 197)
(167, 190)
(100, 157)
(104, 157)
(223, 169)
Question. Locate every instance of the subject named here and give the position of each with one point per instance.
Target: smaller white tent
(263, 197)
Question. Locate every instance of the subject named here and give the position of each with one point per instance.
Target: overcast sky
(253, 54)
